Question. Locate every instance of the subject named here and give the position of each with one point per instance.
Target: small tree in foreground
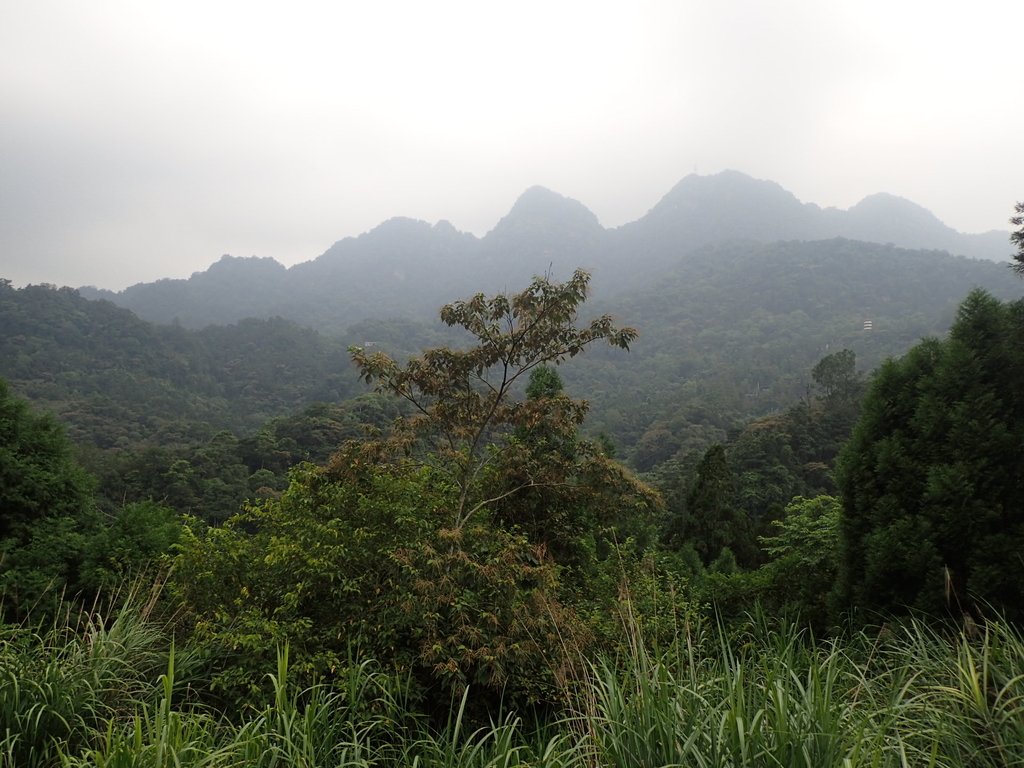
(465, 414)
(463, 547)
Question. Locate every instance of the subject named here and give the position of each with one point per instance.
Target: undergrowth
(112, 695)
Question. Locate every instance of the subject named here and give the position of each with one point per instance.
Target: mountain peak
(730, 205)
(539, 210)
(886, 218)
(399, 226)
(228, 264)
(885, 204)
(538, 195)
(725, 186)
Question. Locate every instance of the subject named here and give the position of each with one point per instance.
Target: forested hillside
(458, 548)
(733, 331)
(117, 381)
(729, 333)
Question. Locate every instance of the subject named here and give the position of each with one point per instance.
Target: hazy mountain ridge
(407, 268)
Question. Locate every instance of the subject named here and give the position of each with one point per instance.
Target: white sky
(141, 140)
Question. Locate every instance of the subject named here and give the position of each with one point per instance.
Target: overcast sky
(141, 140)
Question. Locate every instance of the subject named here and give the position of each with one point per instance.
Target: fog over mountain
(407, 268)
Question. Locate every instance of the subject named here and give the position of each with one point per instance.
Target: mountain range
(406, 268)
(736, 287)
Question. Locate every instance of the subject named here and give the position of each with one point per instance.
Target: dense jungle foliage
(452, 570)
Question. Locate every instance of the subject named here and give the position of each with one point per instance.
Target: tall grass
(962, 693)
(777, 701)
(905, 695)
(60, 685)
(353, 722)
(913, 697)
(153, 737)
